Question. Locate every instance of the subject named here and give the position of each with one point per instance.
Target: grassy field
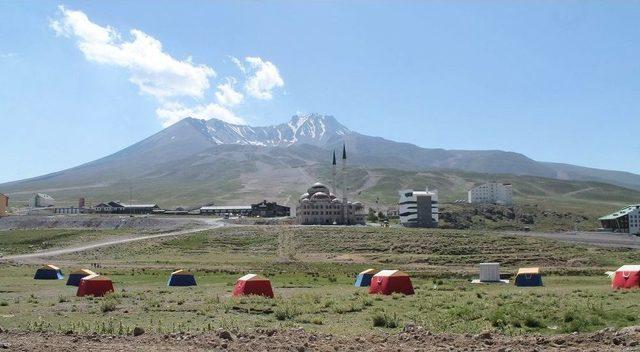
(27, 241)
(312, 271)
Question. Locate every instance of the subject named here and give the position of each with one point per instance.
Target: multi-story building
(320, 207)
(491, 193)
(626, 220)
(266, 209)
(418, 208)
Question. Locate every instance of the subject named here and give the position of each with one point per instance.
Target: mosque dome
(318, 187)
(319, 196)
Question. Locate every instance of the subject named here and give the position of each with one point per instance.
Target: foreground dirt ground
(411, 339)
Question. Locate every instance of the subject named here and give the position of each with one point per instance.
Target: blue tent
(364, 278)
(181, 278)
(528, 277)
(76, 276)
(48, 272)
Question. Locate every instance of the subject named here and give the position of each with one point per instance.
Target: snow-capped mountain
(311, 129)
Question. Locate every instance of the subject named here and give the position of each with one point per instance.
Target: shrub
(4, 303)
(384, 320)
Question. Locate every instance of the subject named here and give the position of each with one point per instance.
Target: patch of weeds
(383, 319)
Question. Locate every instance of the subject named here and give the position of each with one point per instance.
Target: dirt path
(600, 239)
(411, 339)
(578, 191)
(30, 257)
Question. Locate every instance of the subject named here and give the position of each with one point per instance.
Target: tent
(364, 278)
(75, 276)
(94, 285)
(252, 284)
(627, 276)
(181, 278)
(48, 272)
(528, 277)
(489, 273)
(387, 282)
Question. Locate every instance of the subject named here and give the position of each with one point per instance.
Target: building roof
(139, 205)
(621, 212)
(528, 271)
(225, 207)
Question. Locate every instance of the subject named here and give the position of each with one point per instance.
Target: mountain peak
(314, 129)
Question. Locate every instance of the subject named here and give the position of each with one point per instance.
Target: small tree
(372, 217)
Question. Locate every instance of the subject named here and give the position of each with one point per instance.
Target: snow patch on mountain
(312, 129)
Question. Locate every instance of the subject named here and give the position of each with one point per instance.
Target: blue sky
(554, 80)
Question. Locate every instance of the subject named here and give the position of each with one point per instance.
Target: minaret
(333, 173)
(344, 185)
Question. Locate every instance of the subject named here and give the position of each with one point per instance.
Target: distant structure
(418, 208)
(41, 200)
(625, 220)
(266, 209)
(222, 210)
(491, 193)
(4, 204)
(319, 206)
(81, 202)
(117, 207)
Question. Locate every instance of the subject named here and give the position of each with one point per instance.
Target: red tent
(387, 282)
(94, 285)
(628, 276)
(252, 284)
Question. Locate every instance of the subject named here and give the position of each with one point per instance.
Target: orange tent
(252, 284)
(387, 282)
(94, 285)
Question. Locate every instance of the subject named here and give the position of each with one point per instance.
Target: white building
(41, 200)
(626, 220)
(418, 208)
(492, 193)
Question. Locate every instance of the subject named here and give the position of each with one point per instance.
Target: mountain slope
(197, 161)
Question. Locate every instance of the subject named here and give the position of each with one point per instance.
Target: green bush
(384, 320)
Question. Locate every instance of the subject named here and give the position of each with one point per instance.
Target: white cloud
(154, 72)
(170, 113)
(238, 63)
(8, 55)
(172, 82)
(264, 79)
(227, 95)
